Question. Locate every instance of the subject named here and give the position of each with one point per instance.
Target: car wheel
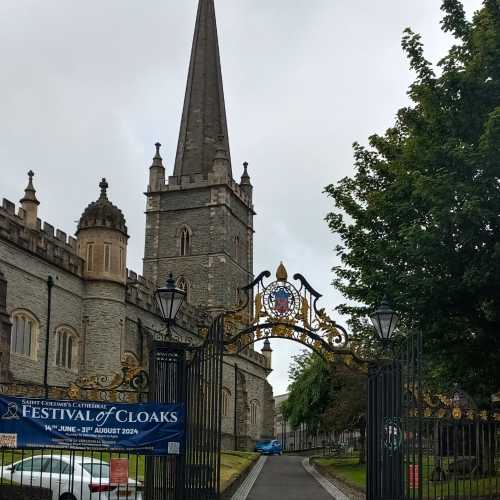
(67, 496)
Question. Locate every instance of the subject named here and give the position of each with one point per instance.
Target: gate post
(5, 326)
(384, 433)
(167, 368)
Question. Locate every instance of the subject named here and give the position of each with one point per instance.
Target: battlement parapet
(140, 292)
(254, 356)
(46, 242)
(198, 181)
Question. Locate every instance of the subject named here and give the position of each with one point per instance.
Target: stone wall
(109, 319)
(27, 276)
(44, 241)
(215, 215)
(5, 325)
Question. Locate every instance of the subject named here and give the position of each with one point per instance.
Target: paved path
(284, 478)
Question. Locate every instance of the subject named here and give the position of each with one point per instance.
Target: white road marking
(247, 484)
(330, 488)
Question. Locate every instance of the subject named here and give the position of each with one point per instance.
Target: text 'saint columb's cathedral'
(199, 226)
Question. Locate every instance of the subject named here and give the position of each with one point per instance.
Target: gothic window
(24, 334)
(254, 412)
(183, 284)
(90, 257)
(66, 348)
(226, 399)
(185, 242)
(107, 257)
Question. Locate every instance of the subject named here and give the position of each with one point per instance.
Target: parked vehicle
(269, 447)
(70, 478)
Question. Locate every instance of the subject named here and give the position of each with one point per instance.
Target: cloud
(87, 88)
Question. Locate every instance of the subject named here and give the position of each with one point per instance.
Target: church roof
(102, 213)
(204, 124)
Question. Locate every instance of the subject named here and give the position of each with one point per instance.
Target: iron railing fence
(455, 459)
(423, 445)
(179, 374)
(300, 439)
(72, 474)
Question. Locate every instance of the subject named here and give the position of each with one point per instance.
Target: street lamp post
(385, 475)
(169, 300)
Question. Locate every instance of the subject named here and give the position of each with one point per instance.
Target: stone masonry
(109, 311)
(5, 325)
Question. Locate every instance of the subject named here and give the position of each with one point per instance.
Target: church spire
(204, 115)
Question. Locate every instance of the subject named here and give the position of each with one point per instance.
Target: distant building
(199, 225)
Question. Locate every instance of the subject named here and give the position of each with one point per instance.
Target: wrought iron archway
(283, 310)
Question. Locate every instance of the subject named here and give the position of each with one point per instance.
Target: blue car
(269, 447)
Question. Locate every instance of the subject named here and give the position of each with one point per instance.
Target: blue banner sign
(154, 429)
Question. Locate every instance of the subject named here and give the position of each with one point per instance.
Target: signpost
(118, 471)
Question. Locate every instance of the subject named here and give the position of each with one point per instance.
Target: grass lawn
(346, 469)
(353, 474)
(233, 464)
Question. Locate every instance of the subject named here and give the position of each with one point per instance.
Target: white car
(70, 478)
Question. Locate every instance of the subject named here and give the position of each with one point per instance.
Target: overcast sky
(87, 87)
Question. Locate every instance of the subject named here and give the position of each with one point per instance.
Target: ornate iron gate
(181, 373)
(423, 445)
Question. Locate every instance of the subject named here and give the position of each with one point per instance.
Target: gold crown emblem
(281, 273)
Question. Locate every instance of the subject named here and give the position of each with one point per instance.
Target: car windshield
(263, 443)
(96, 469)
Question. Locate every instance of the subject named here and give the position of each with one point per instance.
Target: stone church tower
(199, 221)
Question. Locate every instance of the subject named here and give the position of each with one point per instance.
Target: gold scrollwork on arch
(285, 310)
(125, 386)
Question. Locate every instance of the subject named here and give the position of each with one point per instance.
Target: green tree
(326, 397)
(420, 218)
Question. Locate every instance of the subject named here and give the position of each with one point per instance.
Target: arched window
(254, 412)
(183, 284)
(185, 242)
(226, 399)
(66, 348)
(24, 334)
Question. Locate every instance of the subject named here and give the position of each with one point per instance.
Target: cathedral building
(78, 293)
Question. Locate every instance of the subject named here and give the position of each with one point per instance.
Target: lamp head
(169, 300)
(384, 320)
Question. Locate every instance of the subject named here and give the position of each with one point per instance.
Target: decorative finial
(158, 146)
(30, 191)
(245, 177)
(104, 186)
(281, 273)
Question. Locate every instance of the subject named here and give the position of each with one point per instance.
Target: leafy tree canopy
(324, 397)
(420, 218)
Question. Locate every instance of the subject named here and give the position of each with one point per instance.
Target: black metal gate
(181, 373)
(423, 445)
(394, 445)
(385, 433)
